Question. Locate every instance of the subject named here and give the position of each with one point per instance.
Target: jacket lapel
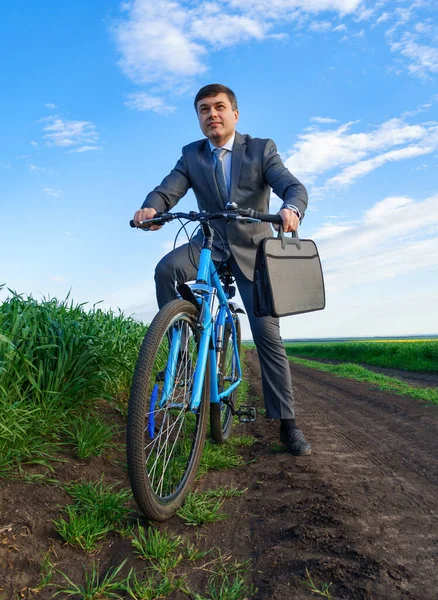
(206, 160)
(239, 148)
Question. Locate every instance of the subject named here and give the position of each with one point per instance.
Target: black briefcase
(288, 277)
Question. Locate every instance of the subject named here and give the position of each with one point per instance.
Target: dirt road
(360, 512)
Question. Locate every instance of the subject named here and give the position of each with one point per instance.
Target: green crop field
(409, 355)
(56, 361)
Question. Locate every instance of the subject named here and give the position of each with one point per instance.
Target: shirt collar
(227, 146)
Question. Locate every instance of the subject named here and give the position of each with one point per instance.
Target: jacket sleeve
(173, 187)
(281, 180)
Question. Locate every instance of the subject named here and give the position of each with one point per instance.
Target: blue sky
(97, 103)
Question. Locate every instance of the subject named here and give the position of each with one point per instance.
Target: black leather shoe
(295, 442)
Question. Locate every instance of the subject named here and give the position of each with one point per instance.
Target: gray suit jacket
(256, 167)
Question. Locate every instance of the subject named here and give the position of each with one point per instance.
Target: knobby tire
(162, 464)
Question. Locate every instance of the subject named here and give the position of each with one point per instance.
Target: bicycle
(189, 358)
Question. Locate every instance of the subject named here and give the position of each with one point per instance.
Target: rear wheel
(164, 437)
(221, 415)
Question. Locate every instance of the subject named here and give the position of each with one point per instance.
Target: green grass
(84, 530)
(97, 587)
(90, 435)
(159, 547)
(228, 581)
(154, 588)
(200, 509)
(421, 356)
(46, 576)
(217, 457)
(56, 360)
(323, 590)
(241, 440)
(388, 384)
(97, 510)
(224, 492)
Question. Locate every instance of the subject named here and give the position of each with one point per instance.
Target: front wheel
(221, 415)
(164, 437)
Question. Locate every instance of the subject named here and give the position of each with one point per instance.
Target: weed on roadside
(228, 581)
(108, 504)
(159, 546)
(90, 435)
(82, 530)
(200, 509)
(97, 588)
(193, 554)
(46, 576)
(242, 440)
(224, 492)
(217, 457)
(312, 587)
(153, 588)
(97, 510)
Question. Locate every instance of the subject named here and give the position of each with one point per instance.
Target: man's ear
(236, 116)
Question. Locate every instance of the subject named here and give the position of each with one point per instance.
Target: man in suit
(227, 166)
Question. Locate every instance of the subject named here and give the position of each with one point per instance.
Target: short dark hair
(213, 89)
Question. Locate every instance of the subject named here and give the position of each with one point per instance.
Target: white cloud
(5, 165)
(142, 101)
(34, 144)
(154, 42)
(281, 8)
(52, 192)
(383, 17)
(166, 42)
(68, 133)
(35, 169)
(395, 237)
(356, 154)
(321, 26)
(323, 120)
(50, 105)
(361, 168)
(137, 298)
(84, 149)
(422, 59)
(228, 30)
(57, 278)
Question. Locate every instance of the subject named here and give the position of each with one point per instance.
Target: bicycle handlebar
(248, 215)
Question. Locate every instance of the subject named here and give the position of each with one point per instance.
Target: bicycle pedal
(246, 414)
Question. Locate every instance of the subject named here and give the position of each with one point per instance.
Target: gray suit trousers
(180, 266)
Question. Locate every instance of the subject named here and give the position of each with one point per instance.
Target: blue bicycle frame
(207, 286)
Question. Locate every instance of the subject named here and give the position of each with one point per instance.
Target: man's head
(216, 107)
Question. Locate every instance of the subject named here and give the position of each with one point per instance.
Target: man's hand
(290, 220)
(142, 215)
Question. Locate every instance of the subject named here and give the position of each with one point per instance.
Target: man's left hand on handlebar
(143, 214)
(290, 220)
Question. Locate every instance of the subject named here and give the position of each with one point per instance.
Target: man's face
(217, 119)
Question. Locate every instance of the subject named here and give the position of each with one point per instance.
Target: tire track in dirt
(360, 512)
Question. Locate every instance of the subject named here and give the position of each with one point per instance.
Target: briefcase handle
(288, 240)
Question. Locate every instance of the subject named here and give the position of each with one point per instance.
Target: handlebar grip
(132, 224)
(263, 217)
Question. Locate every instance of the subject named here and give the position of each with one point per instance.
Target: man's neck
(222, 142)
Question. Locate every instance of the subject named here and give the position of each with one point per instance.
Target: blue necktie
(219, 172)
